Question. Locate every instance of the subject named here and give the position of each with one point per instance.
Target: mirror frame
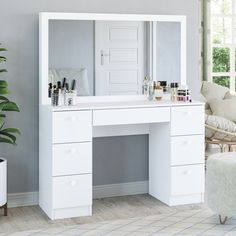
(44, 18)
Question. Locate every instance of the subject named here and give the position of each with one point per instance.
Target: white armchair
(220, 127)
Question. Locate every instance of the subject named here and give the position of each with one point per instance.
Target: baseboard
(101, 191)
(23, 199)
(122, 189)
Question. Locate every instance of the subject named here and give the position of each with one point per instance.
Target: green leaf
(4, 91)
(3, 70)
(3, 49)
(3, 84)
(10, 136)
(2, 58)
(12, 130)
(5, 140)
(2, 115)
(2, 121)
(8, 106)
(2, 98)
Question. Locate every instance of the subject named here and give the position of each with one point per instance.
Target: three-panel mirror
(112, 57)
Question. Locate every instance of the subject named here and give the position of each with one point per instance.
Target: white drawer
(72, 191)
(131, 116)
(187, 150)
(71, 159)
(72, 126)
(186, 180)
(187, 120)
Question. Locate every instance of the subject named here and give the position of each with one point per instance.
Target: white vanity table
(176, 141)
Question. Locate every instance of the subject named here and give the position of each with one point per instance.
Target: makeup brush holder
(70, 97)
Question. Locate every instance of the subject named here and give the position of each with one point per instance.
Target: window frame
(232, 46)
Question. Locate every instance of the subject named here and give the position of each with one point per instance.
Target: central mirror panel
(113, 57)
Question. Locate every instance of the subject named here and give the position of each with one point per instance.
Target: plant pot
(3, 182)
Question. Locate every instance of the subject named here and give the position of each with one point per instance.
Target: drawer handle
(71, 118)
(73, 183)
(72, 151)
(187, 172)
(186, 142)
(186, 113)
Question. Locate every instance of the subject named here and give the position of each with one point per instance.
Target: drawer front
(187, 120)
(131, 116)
(186, 180)
(72, 159)
(187, 150)
(72, 191)
(72, 126)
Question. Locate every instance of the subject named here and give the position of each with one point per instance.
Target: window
(222, 42)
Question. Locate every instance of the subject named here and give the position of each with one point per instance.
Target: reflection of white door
(119, 57)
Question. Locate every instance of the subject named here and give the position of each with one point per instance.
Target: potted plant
(7, 135)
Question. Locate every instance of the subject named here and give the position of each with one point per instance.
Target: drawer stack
(72, 163)
(187, 153)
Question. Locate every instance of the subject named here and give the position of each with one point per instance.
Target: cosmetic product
(59, 84)
(183, 94)
(145, 85)
(163, 84)
(173, 91)
(60, 94)
(63, 83)
(158, 91)
(50, 90)
(151, 90)
(67, 87)
(55, 96)
(73, 84)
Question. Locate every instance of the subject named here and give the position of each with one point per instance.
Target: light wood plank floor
(28, 218)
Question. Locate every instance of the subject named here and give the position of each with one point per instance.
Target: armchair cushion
(213, 91)
(225, 108)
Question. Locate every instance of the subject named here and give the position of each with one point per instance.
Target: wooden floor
(27, 218)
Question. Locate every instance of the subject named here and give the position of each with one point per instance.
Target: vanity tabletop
(122, 105)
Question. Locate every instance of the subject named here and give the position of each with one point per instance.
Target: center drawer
(71, 159)
(131, 116)
(72, 126)
(72, 191)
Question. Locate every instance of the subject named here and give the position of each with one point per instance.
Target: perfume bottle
(151, 90)
(158, 91)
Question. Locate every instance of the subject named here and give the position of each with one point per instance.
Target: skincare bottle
(158, 91)
(151, 90)
(174, 91)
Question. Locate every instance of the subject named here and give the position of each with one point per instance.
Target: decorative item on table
(173, 91)
(183, 94)
(166, 90)
(158, 94)
(145, 85)
(54, 96)
(164, 85)
(151, 90)
(60, 94)
(70, 95)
